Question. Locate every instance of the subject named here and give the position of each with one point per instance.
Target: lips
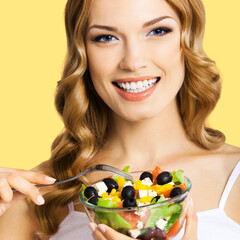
(136, 89)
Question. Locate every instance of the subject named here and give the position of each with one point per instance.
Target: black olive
(150, 234)
(176, 191)
(160, 234)
(129, 202)
(128, 192)
(146, 175)
(90, 191)
(110, 183)
(93, 200)
(163, 178)
(157, 198)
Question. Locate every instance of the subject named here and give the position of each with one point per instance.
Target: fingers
(96, 233)
(191, 223)
(23, 182)
(6, 193)
(30, 176)
(103, 232)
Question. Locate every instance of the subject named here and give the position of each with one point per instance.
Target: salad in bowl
(152, 206)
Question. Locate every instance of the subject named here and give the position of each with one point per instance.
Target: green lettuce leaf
(113, 220)
(83, 187)
(178, 177)
(125, 169)
(106, 203)
(161, 199)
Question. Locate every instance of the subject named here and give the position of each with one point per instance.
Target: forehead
(129, 11)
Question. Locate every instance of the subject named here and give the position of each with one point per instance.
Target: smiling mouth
(137, 87)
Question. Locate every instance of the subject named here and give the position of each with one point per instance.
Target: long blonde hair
(86, 117)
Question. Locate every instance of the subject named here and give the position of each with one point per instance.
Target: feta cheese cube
(143, 193)
(147, 181)
(141, 212)
(161, 223)
(139, 224)
(101, 187)
(152, 193)
(127, 183)
(134, 233)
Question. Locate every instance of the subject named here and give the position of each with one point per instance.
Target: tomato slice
(120, 204)
(133, 218)
(174, 229)
(155, 173)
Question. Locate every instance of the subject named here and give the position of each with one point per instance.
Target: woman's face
(134, 55)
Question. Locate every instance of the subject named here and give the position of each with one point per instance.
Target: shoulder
(230, 156)
(229, 149)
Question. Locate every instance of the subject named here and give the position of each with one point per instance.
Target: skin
(142, 133)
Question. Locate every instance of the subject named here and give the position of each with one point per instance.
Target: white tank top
(213, 224)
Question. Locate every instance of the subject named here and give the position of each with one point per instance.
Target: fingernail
(191, 201)
(40, 200)
(50, 179)
(102, 228)
(92, 226)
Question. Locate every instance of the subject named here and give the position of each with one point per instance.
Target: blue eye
(104, 38)
(160, 31)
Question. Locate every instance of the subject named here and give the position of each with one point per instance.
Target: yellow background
(32, 49)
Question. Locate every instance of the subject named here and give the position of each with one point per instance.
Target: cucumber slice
(172, 220)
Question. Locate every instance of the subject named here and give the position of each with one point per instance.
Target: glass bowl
(159, 221)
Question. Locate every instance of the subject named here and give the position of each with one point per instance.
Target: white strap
(230, 183)
(70, 207)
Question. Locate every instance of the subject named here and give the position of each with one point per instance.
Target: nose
(133, 57)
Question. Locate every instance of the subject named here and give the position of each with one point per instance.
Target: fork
(98, 167)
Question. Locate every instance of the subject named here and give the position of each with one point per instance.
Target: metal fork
(99, 167)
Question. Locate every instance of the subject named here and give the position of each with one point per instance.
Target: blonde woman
(136, 90)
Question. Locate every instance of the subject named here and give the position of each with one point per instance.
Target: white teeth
(133, 85)
(145, 83)
(136, 87)
(139, 84)
(127, 86)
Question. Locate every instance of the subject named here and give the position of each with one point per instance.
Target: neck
(154, 139)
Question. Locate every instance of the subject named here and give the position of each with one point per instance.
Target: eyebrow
(113, 29)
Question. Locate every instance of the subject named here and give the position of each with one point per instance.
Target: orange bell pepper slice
(183, 186)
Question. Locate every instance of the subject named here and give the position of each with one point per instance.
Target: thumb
(5, 205)
(191, 223)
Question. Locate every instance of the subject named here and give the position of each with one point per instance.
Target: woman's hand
(103, 232)
(23, 181)
(191, 223)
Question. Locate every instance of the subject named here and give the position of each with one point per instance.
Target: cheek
(101, 68)
(99, 61)
(169, 58)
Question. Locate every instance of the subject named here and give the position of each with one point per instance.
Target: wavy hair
(87, 118)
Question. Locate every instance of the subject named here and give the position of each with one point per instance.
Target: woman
(136, 89)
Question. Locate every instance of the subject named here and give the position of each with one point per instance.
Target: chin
(137, 115)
